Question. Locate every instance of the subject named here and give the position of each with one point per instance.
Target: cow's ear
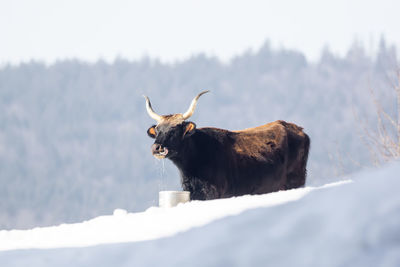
(152, 131)
(190, 127)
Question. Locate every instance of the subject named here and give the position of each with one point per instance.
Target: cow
(217, 163)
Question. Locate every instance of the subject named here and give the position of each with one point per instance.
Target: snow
(343, 224)
(152, 224)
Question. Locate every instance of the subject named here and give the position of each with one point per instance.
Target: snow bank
(152, 224)
(355, 224)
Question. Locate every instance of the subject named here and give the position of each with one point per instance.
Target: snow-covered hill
(152, 224)
(343, 224)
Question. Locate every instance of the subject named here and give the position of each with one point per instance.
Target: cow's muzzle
(159, 151)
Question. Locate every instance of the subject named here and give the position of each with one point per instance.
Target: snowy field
(342, 224)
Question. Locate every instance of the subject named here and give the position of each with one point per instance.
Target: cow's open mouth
(161, 154)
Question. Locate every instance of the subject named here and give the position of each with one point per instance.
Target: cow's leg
(200, 189)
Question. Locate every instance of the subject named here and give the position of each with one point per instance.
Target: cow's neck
(194, 154)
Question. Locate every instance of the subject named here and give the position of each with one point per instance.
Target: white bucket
(169, 199)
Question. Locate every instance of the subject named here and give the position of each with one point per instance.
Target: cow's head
(170, 130)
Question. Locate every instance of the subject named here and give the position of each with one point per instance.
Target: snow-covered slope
(350, 224)
(152, 224)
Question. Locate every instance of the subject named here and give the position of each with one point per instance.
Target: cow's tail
(297, 177)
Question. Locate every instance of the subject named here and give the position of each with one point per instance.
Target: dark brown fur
(217, 163)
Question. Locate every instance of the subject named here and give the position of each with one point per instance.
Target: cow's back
(261, 158)
(276, 153)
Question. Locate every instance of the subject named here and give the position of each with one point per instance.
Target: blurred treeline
(73, 142)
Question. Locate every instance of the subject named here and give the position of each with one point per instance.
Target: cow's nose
(156, 148)
(159, 151)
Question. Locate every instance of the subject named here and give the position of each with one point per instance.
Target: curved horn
(192, 107)
(151, 112)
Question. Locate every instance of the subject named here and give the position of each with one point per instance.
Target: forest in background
(73, 142)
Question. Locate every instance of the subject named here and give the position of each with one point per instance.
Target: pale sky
(172, 30)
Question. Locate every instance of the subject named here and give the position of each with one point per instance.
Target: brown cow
(217, 163)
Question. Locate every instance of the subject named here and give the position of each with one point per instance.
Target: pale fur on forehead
(172, 120)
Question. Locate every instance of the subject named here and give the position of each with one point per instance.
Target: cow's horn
(192, 107)
(151, 112)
